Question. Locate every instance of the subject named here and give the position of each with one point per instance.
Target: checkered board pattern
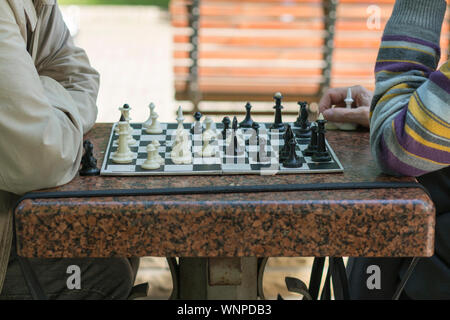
(222, 162)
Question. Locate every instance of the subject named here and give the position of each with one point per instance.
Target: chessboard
(222, 163)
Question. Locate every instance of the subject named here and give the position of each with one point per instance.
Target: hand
(360, 109)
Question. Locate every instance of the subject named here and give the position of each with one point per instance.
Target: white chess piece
(208, 150)
(347, 126)
(156, 144)
(152, 161)
(209, 126)
(148, 123)
(123, 153)
(155, 127)
(181, 150)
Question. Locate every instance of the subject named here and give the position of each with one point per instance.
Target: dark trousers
(431, 276)
(100, 278)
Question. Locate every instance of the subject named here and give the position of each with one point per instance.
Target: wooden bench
(234, 50)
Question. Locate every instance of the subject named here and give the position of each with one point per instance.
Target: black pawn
(312, 147)
(126, 106)
(286, 149)
(255, 134)
(88, 162)
(248, 122)
(226, 125)
(234, 125)
(302, 122)
(322, 154)
(292, 161)
(278, 122)
(197, 127)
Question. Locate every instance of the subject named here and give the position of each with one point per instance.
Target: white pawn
(155, 127)
(152, 162)
(156, 144)
(148, 123)
(347, 126)
(123, 153)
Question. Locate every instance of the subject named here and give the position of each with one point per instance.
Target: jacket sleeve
(61, 61)
(41, 141)
(410, 112)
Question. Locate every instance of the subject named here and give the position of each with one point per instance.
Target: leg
(110, 278)
(431, 276)
(357, 272)
(218, 278)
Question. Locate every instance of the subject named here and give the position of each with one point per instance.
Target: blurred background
(214, 55)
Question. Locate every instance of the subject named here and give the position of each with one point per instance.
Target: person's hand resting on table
(360, 109)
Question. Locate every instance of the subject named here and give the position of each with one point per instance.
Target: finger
(357, 115)
(361, 95)
(334, 96)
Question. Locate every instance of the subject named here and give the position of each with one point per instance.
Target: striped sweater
(410, 112)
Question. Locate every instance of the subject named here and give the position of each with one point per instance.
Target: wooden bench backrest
(247, 50)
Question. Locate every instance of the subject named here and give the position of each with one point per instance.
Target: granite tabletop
(388, 222)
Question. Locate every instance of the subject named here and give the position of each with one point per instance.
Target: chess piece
(125, 111)
(197, 127)
(286, 149)
(278, 122)
(312, 147)
(347, 126)
(235, 142)
(226, 125)
(88, 162)
(208, 150)
(155, 127)
(302, 122)
(247, 122)
(322, 154)
(292, 161)
(148, 123)
(209, 126)
(156, 144)
(181, 150)
(152, 161)
(123, 153)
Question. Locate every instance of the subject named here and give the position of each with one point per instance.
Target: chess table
(220, 226)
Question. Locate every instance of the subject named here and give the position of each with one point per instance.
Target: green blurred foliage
(159, 3)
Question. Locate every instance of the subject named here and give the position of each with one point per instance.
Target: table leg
(218, 278)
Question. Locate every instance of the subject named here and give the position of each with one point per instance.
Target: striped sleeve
(410, 112)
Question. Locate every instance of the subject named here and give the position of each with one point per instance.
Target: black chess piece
(234, 124)
(126, 106)
(197, 127)
(278, 122)
(226, 125)
(286, 149)
(322, 154)
(88, 162)
(302, 122)
(312, 147)
(255, 134)
(292, 161)
(248, 121)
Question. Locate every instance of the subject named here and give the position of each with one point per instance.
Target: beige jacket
(48, 93)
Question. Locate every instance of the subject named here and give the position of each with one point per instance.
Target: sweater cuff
(417, 18)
